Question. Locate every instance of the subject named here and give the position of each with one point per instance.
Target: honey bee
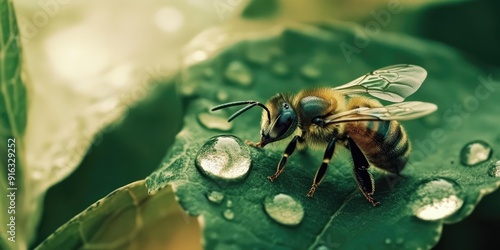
(326, 117)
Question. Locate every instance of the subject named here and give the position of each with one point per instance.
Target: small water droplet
(238, 73)
(229, 203)
(224, 157)
(259, 54)
(388, 241)
(494, 169)
(310, 71)
(436, 199)
(214, 122)
(284, 209)
(215, 197)
(228, 214)
(400, 240)
(322, 247)
(475, 152)
(280, 69)
(222, 96)
(208, 73)
(188, 90)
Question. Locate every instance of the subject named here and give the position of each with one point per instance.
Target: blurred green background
(62, 54)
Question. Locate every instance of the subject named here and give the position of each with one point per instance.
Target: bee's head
(280, 122)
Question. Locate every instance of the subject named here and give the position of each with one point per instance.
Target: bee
(344, 115)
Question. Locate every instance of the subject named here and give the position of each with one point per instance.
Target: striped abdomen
(384, 143)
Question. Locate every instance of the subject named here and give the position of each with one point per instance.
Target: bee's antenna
(241, 111)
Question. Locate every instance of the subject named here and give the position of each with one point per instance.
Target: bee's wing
(398, 111)
(393, 83)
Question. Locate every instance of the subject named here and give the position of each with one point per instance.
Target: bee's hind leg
(320, 174)
(288, 151)
(364, 179)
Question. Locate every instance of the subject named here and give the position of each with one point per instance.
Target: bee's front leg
(288, 151)
(253, 144)
(364, 178)
(320, 174)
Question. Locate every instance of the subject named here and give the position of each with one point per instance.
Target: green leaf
(261, 9)
(13, 109)
(338, 215)
(126, 218)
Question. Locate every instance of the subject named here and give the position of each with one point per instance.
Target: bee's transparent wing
(398, 111)
(393, 83)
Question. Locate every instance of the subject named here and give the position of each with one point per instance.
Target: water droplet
(400, 240)
(208, 73)
(322, 247)
(284, 209)
(224, 157)
(494, 169)
(258, 53)
(238, 73)
(229, 203)
(228, 214)
(388, 241)
(222, 96)
(310, 71)
(188, 90)
(215, 197)
(214, 122)
(475, 152)
(280, 69)
(436, 199)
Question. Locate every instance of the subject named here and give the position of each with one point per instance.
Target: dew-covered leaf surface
(435, 187)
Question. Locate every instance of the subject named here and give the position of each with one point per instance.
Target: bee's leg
(364, 179)
(288, 151)
(322, 169)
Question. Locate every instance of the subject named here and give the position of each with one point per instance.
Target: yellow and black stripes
(384, 143)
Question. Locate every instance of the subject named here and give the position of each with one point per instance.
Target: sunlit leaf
(128, 218)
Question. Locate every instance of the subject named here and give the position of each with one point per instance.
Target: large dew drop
(224, 158)
(284, 209)
(475, 152)
(436, 199)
